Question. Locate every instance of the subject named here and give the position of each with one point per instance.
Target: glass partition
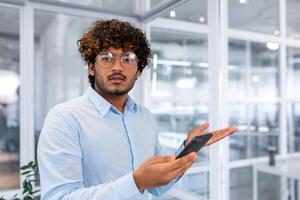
(292, 19)
(241, 186)
(9, 99)
(179, 93)
(294, 127)
(258, 125)
(254, 15)
(253, 70)
(60, 73)
(293, 74)
(253, 77)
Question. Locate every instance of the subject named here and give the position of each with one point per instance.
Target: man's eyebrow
(114, 54)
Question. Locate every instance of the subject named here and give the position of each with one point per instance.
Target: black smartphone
(195, 144)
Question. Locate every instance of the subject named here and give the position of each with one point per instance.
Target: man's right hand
(160, 170)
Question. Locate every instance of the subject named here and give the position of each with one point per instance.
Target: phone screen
(195, 145)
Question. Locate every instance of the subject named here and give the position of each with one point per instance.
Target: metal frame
(183, 194)
(81, 11)
(283, 137)
(219, 152)
(13, 2)
(27, 87)
(81, 8)
(218, 33)
(178, 25)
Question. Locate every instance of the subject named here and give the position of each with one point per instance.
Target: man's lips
(116, 78)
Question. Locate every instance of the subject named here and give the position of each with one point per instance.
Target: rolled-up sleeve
(60, 166)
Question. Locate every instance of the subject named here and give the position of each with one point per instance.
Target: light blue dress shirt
(88, 150)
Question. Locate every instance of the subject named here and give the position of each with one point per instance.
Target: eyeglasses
(107, 59)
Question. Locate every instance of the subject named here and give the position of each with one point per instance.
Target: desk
(284, 169)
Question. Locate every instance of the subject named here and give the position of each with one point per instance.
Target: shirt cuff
(126, 187)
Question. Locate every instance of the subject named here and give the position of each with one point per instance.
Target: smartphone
(195, 144)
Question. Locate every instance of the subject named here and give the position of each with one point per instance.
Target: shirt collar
(131, 105)
(104, 106)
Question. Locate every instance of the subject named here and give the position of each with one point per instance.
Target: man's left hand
(217, 135)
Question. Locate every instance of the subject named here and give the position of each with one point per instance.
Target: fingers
(202, 127)
(183, 161)
(220, 134)
(197, 132)
(224, 132)
(182, 165)
(167, 171)
(180, 171)
(162, 159)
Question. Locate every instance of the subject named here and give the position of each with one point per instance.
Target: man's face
(116, 79)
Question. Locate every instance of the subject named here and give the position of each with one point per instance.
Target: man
(102, 145)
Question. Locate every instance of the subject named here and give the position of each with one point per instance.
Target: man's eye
(127, 59)
(106, 58)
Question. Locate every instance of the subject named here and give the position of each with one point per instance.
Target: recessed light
(243, 1)
(186, 82)
(277, 32)
(172, 13)
(201, 19)
(255, 78)
(9, 82)
(272, 46)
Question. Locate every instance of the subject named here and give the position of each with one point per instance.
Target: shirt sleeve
(60, 166)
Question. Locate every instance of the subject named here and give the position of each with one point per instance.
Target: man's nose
(117, 66)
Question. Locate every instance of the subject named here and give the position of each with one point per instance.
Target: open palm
(217, 135)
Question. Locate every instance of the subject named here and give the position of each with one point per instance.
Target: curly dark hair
(117, 34)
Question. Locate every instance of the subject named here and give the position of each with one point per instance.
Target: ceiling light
(202, 64)
(277, 32)
(201, 19)
(174, 62)
(186, 83)
(255, 79)
(172, 13)
(9, 83)
(272, 46)
(243, 1)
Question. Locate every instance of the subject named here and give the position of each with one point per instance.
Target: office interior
(228, 62)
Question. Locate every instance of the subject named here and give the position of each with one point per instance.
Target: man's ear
(91, 69)
(138, 74)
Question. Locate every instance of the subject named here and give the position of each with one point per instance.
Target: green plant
(30, 173)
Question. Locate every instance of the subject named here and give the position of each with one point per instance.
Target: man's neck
(117, 101)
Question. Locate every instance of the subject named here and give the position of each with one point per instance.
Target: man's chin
(118, 92)
(115, 90)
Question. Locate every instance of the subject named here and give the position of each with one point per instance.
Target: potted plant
(30, 173)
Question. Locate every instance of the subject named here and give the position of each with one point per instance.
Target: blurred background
(257, 72)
